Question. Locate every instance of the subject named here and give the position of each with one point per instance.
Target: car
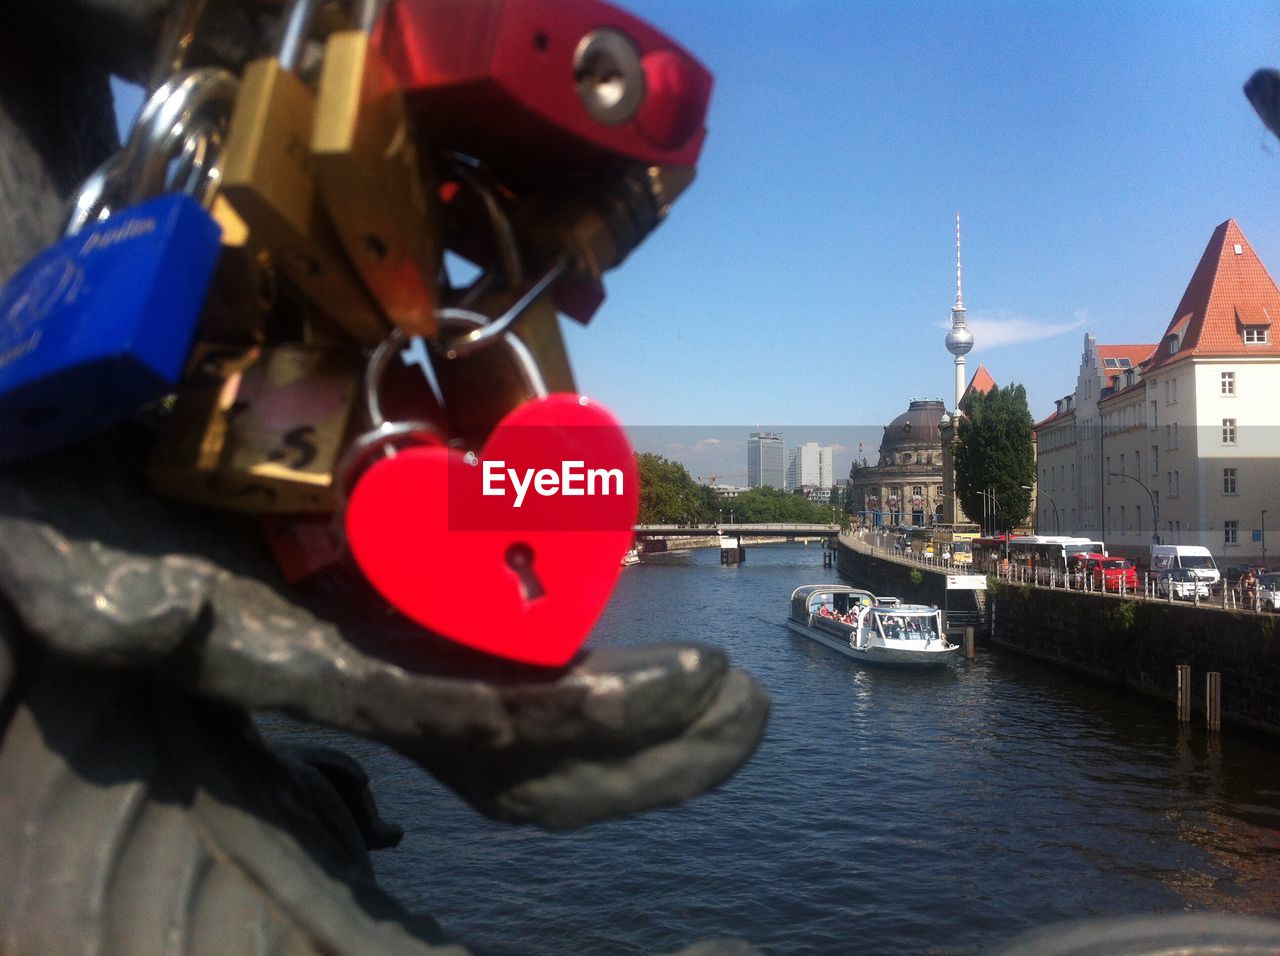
(1101, 572)
(1182, 583)
(1269, 591)
(1111, 574)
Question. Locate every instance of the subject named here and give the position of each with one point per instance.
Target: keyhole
(520, 560)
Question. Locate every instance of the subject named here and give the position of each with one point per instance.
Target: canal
(885, 811)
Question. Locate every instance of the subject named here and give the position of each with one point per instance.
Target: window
(1229, 481)
(917, 490)
(1177, 490)
(906, 459)
(1255, 334)
(1154, 421)
(1231, 532)
(1228, 431)
(1155, 461)
(1171, 436)
(1170, 391)
(1228, 383)
(1168, 483)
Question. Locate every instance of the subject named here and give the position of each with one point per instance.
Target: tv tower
(959, 339)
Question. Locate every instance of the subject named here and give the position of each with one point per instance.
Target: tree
(668, 495)
(994, 453)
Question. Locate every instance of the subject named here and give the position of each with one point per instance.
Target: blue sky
(807, 275)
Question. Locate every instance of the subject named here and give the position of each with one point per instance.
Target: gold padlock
(593, 225)
(243, 289)
(379, 193)
(268, 177)
(598, 223)
(259, 430)
(482, 386)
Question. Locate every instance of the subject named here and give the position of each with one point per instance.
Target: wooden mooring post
(969, 652)
(1184, 693)
(1213, 700)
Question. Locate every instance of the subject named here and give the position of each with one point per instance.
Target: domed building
(905, 485)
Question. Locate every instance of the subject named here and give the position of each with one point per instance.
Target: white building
(810, 466)
(766, 460)
(1177, 439)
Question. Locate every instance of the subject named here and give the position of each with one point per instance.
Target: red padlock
(535, 88)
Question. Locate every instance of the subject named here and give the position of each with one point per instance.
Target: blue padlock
(102, 322)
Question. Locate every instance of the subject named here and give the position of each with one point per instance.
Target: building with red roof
(1175, 440)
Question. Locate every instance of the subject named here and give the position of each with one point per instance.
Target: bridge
(679, 537)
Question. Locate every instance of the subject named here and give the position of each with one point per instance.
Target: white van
(1199, 560)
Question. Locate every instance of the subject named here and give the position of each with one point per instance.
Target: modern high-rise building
(810, 466)
(766, 460)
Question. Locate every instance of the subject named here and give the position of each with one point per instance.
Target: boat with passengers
(874, 630)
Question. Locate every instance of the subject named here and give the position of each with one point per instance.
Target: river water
(885, 812)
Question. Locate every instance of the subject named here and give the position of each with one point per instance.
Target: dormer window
(1256, 335)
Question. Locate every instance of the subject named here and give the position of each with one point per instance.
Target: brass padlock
(481, 386)
(379, 193)
(594, 225)
(268, 177)
(260, 429)
(243, 290)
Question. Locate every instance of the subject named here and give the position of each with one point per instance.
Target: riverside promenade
(1133, 640)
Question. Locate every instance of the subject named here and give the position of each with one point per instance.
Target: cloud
(707, 444)
(993, 328)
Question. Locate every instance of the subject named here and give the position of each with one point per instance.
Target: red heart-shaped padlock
(514, 553)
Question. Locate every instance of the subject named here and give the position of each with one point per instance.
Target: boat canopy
(908, 622)
(809, 598)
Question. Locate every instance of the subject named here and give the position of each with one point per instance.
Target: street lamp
(1057, 527)
(1155, 508)
(988, 510)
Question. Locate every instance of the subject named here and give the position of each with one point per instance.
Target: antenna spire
(959, 297)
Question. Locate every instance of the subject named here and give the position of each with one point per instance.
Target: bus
(1033, 551)
(1051, 552)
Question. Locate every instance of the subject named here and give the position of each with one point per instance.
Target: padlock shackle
(506, 246)
(468, 322)
(194, 104)
(176, 37)
(93, 199)
(296, 24)
(486, 334)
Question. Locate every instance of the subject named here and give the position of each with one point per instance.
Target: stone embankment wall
(1136, 644)
(1139, 644)
(881, 572)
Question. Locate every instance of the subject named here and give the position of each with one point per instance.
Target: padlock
(378, 191)
(259, 430)
(483, 376)
(536, 88)
(594, 225)
(268, 176)
(102, 322)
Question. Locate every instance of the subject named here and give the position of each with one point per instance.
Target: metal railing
(884, 546)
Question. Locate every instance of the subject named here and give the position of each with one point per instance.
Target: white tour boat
(864, 628)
